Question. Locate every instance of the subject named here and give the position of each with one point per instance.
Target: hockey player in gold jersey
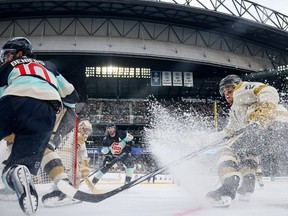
(254, 107)
(54, 168)
(83, 169)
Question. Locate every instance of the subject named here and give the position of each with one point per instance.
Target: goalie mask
(230, 80)
(85, 128)
(15, 45)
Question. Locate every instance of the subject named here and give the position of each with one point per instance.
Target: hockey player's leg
(52, 165)
(97, 177)
(259, 174)
(229, 176)
(18, 179)
(129, 174)
(248, 169)
(5, 193)
(107, 164)
(247, 188)
(128, 161)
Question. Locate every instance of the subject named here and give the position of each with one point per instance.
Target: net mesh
(68, 155)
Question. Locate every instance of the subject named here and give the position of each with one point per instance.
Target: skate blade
(27, 195)
(55, 202)
(224, 202)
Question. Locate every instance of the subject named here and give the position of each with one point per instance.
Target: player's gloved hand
(10, 138)
(264, 114)
(81, 139)
(84, 168)
(82, 152)
(108, 158)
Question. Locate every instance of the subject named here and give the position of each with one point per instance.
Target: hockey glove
(264, 114)
(108, 158)
(10, 138)
(84, 168)
(82, 152)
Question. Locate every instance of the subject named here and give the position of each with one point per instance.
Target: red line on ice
(190, 211)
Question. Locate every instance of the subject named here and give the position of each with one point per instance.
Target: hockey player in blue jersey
(32, 92)
(116, 148)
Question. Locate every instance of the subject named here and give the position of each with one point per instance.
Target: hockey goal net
(68, 155)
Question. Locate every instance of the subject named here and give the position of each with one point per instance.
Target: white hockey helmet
(230, 80)
(85, 127)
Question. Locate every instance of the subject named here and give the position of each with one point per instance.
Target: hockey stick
(95, 198)
(91, 186)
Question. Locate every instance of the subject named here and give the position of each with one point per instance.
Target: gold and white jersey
(246, 97)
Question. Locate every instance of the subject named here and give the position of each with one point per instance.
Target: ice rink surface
(167, 200)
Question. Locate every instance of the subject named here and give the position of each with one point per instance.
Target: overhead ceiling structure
(209, 39)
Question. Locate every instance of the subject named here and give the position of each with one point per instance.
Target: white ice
(168, 200)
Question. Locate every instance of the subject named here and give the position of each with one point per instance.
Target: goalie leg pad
(53, 166)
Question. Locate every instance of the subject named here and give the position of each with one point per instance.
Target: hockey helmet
(85, 127)
(230, 80)
(14, 45)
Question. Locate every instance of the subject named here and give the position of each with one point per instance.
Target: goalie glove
(82, 152)
(84, 168)
(263, 114)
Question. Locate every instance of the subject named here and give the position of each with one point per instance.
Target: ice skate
(57, 198)
(247, 187)
(19, 179)
(223, 196)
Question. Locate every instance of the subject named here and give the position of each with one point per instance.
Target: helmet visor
(5, 53)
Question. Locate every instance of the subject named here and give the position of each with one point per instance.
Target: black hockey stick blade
(73, 193)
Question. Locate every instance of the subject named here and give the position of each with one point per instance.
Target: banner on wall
(155, 78)
(188, 79)
(166, 78)
(177, 78)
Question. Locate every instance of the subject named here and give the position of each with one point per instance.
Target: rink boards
(118, 178)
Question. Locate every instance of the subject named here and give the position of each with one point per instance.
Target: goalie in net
(66, 159)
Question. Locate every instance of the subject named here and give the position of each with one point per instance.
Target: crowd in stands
(137, 111)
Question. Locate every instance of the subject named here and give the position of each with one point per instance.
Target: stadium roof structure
(210, 39)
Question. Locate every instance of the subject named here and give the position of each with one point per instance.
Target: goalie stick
(73, 193)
